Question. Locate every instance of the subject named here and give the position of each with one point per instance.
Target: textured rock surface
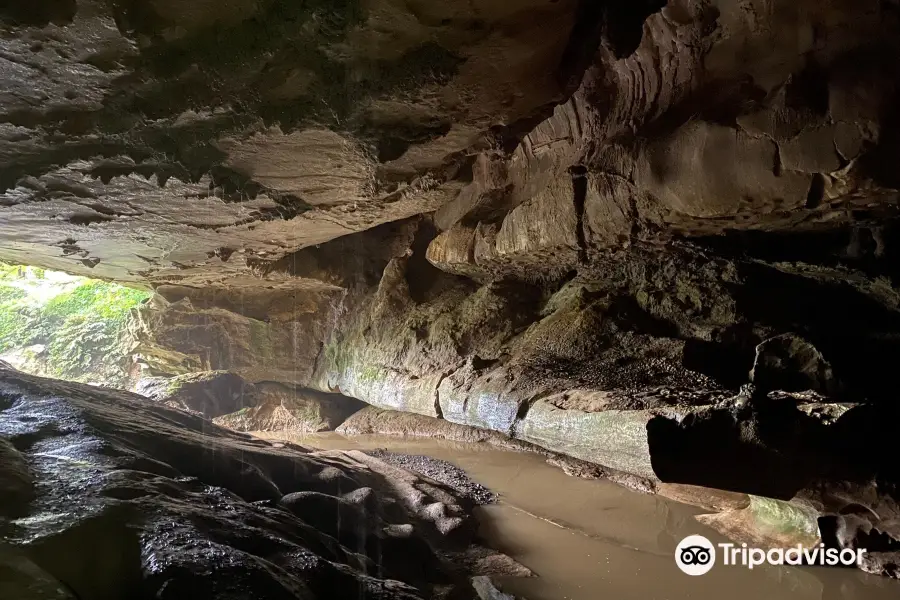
(613, 438)
(292, 410)
(786, 362)
(171, 505)
(767, 523)
(373, 420)
(159, 143)
(576, 223)
(208, 394)
(231, 401)
(177, 338)
(439, 470)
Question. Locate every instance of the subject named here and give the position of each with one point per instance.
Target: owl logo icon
(695, 555)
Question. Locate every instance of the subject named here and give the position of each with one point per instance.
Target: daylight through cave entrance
(449, 299)
(58, 325)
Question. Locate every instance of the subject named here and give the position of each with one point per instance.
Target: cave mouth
(384, 249)
(66, 327)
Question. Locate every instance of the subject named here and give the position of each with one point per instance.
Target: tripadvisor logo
(696, 555)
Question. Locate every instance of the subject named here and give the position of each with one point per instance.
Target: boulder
(612, 438)
(790, 363)
(290, 410)
(210, 393)
(374, 420)
(178, 338)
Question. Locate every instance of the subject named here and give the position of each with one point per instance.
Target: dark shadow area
(630, 316)
(38, 12)
(717, 449)
(873, 250)
(787, 448)
(423, 278)
(728, 362)
(110, 569)
(857, 334)
(624, 22)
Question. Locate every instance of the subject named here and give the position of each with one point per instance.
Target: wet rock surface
(439, 470)
(172, 505)
(586, 226)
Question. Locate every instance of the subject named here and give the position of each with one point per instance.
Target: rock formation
(290, 409)
(170, 505)
(583, 225)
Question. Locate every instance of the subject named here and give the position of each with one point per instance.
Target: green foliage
(102, 300)
(9, 293)
(15, 317)
(9, 271)
(12, 272)
(81, 326)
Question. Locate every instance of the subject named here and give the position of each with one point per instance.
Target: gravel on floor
(439, 470)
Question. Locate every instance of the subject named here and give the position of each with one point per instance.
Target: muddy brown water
(590, 540)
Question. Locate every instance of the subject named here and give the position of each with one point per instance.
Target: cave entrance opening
(66, 327)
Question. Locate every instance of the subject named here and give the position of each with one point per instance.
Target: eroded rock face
(786, 362)
(293, 410)
(209, 394)
(155, 143)
(177, 338)
(577, 224)
(170, 504)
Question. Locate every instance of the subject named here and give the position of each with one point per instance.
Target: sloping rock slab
(285, 408)
(209, 393)
(131, 499)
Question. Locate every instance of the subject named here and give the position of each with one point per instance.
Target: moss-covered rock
(175, 338)
(387, 388)
(612, 438)
(768, 523)
(488, 400)
(67, 327)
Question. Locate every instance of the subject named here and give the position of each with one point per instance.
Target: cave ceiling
(202, 144)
